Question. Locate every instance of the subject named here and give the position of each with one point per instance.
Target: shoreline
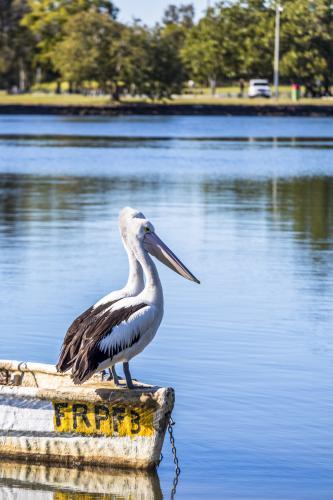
(315, 110)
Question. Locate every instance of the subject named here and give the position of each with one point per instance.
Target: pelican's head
(143, 231)
(125, 216)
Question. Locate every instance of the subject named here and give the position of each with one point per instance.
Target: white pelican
(83, 326)
(129, 325)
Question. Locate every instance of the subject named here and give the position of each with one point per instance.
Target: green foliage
(46, 19)
(182, 15)
(202, 52)
(232, 40)
(16, 45)
(80, 40)
(133, 56)
(254, 28)
(89, 49)
(307, 43)
(166, 73)
(150, 60)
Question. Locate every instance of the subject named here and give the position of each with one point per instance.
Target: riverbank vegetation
(80, 47)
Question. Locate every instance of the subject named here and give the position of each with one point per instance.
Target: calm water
(249, 351)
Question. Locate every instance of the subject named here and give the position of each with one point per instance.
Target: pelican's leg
(128, 375)
(107, 375)
(110, 374)
(114, 375)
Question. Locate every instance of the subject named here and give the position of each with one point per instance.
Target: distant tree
(150, 60)
(166, 74)
(253, 22)
(134, 68)
(81, 40)
(46, 19)
(16, 46)
(183, 15)
(234, 39)
(90, 50)
(203, 50)
(307, 44)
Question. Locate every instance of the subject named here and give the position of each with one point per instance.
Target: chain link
(160, 460)
(171, 423)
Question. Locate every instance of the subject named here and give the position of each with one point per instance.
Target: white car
(259, 88)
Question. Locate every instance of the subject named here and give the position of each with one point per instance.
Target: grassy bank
(203, 104)
(51, 99)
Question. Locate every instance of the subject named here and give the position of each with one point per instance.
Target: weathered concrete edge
(16, 454)
(171, 109)
(94, 390)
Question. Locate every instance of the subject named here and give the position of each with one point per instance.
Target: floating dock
(45, 418)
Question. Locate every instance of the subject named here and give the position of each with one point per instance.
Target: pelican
(130, 324)
(84, 325)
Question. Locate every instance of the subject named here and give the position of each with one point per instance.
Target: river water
(247, 204)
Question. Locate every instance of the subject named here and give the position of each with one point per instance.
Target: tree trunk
(212, 84)
(22, 77)
(38, 75)
(115, 93)
(327, 88)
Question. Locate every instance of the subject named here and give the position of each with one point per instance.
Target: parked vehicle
(259, 88)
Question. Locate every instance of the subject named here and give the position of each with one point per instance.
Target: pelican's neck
(153, 289)
(135, 282)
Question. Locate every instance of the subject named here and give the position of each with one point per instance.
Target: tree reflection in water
(301, 204)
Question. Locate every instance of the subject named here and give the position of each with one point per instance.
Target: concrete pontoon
(44, 417)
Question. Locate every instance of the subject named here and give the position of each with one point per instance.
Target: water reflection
(159, 141)
(31, 198)
(305, 203)
(301, 204)
(23, 481)
(253, 218)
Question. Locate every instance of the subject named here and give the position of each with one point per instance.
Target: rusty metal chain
(171, 424)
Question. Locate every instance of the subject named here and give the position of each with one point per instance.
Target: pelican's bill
(156, 247)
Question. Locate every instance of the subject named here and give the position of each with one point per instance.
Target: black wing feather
(90, 355)
(80, 330)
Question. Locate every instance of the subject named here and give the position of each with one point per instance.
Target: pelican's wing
(121, 329)
(80, 329)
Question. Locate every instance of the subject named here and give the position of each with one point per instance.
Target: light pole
(278, 10)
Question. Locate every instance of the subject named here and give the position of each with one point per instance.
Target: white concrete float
(45, 418)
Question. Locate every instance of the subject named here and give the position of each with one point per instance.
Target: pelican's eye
(147, 230)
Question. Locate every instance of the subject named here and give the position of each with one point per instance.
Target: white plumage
(144, 323)
(120, 330)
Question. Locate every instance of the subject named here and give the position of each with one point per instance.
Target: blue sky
(151, 11)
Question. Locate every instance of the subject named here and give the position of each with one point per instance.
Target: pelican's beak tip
(156, 247)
